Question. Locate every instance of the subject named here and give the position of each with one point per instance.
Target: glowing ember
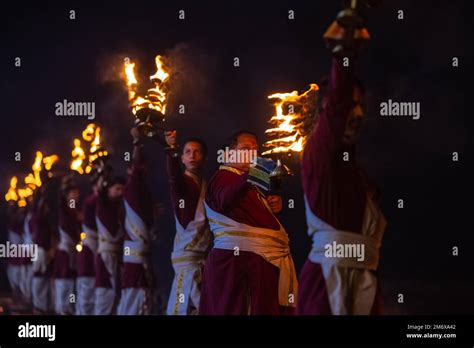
(155, 97)
(11, 194)
(23, 194)
(289, 133)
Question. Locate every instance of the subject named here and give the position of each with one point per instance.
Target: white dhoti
(272, 245)
(64, 296)
(189, 252)
(104, 301)
(64, 288)
(132, 302)
(26, 279)
(27, 269)
(108, 250)
(41, 292)
(85, 288)
(14, 277)
(185, 290)
(136, 300)
(350, 282)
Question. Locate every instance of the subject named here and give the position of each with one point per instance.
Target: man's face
(192, 157)
(73, 194)
(354, 121)
(248, 143)
(115, 192)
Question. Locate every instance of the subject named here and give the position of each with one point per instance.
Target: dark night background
(406, 60)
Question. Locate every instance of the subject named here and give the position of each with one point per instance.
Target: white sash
(196, 236)
(272, 245)
(350, 283)
(109, 250)
(136, 249)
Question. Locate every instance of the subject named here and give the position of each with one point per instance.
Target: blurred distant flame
(32, 180)
(11, 194)
(82, 161)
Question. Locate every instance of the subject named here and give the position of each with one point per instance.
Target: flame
(33, 180)
(155, 97)
(288, 132)
(88, 132)
(82, 162)
(11, 194)
(48, 161)
(78, 156)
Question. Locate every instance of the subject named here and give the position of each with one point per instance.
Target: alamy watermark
(345, 251)
(11, 250)
(393, 108)
(236, 156)
(66, 108)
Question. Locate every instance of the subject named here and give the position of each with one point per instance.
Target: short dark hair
(201, 143)
(117, 180)
(231, 141)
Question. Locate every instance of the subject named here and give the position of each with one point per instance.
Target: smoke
(192, 70)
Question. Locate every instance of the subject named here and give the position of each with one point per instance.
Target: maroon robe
(69, 221)
(227, 277)
(110, 214)
(15, 225)
(335, 189)
(137, 194)
(182, 186)
(86, 258)
(42, 234)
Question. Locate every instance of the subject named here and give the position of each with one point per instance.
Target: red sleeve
(225, 189)
(325, 141)
(326, 137)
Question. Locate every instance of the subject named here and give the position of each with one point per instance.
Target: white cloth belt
(135, 251)
(324, 239)
(91, 240)
(350, 283)
(272, 245)
(108, 245)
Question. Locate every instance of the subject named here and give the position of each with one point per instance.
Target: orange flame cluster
(32, 180)
(155, 97)
(288, 134)
(82, 161)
